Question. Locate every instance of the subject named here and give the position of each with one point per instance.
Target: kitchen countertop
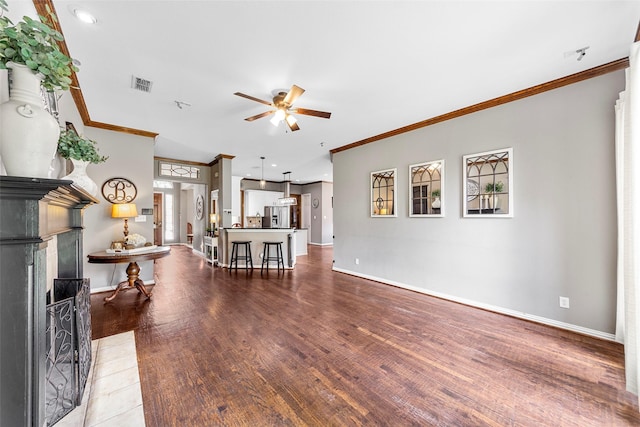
(257, 237)
(258, 229)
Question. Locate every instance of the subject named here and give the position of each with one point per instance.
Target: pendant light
(263, 183)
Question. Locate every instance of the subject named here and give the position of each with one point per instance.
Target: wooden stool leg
(233, 252)
(249, 257)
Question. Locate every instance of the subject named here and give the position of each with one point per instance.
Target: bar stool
(266, 255)
(235, 256)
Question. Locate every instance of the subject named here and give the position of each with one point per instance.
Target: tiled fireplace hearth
(113, 396)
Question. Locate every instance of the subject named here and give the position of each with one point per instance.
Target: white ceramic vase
(436, 203)
(28, 134)
(79, 176)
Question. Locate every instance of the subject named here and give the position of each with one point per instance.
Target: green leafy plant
(435, 193)
(494, 188)
(73, 146)
(35, 44)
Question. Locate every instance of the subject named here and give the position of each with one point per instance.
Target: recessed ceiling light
(248, 174)
(274, 165)
(84, 16)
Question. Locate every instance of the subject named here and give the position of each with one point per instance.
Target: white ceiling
(375, 65)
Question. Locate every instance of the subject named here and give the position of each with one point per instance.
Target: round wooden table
(133, 270)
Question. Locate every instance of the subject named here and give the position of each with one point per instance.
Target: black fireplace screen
(68, 356)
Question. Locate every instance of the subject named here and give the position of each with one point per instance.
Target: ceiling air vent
(143, 85)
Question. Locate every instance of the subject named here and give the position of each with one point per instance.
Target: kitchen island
(258, 236)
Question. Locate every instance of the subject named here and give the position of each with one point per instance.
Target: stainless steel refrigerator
(276, 217)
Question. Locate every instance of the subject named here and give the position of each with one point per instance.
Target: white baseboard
(496, 309)
(197, 252)
(320, 244)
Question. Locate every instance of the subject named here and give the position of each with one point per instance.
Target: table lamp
(126, 211)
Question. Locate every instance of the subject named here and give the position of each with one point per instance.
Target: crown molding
(220, 157)
(620, 64)
(43, 7)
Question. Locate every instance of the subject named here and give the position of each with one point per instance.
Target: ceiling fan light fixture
(290, 120)
(283, 104)
(278, 116)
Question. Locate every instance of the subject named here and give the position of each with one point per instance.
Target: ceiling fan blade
(293, 94)
(253, 98)
(314, 113)
(259, 116)
(293, 126)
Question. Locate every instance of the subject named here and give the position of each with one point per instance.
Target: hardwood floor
(319, 348)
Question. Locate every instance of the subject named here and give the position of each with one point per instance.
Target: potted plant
(492, 189)
(435, 194)
(75, 147)
(30, 50)
(34, 44)
(81, 151)
(496, 187)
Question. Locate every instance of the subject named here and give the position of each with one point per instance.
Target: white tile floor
(113, 396)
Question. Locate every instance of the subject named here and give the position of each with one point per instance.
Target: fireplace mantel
(35, 215)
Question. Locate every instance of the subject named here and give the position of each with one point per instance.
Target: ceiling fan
(283, 108)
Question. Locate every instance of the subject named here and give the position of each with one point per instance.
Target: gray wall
(321, 227)
(131, 157)
(326, 204)
(199, 225)
(561, 240)
(254, 184)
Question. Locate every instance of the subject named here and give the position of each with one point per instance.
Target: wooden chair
(189, 233)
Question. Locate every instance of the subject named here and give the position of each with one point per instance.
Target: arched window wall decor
(488, 184)
(426, 189)
(383, 191)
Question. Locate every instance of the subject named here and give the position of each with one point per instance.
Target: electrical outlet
(357, 261)
(564, 302)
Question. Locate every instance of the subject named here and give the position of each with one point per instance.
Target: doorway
(157, 219)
